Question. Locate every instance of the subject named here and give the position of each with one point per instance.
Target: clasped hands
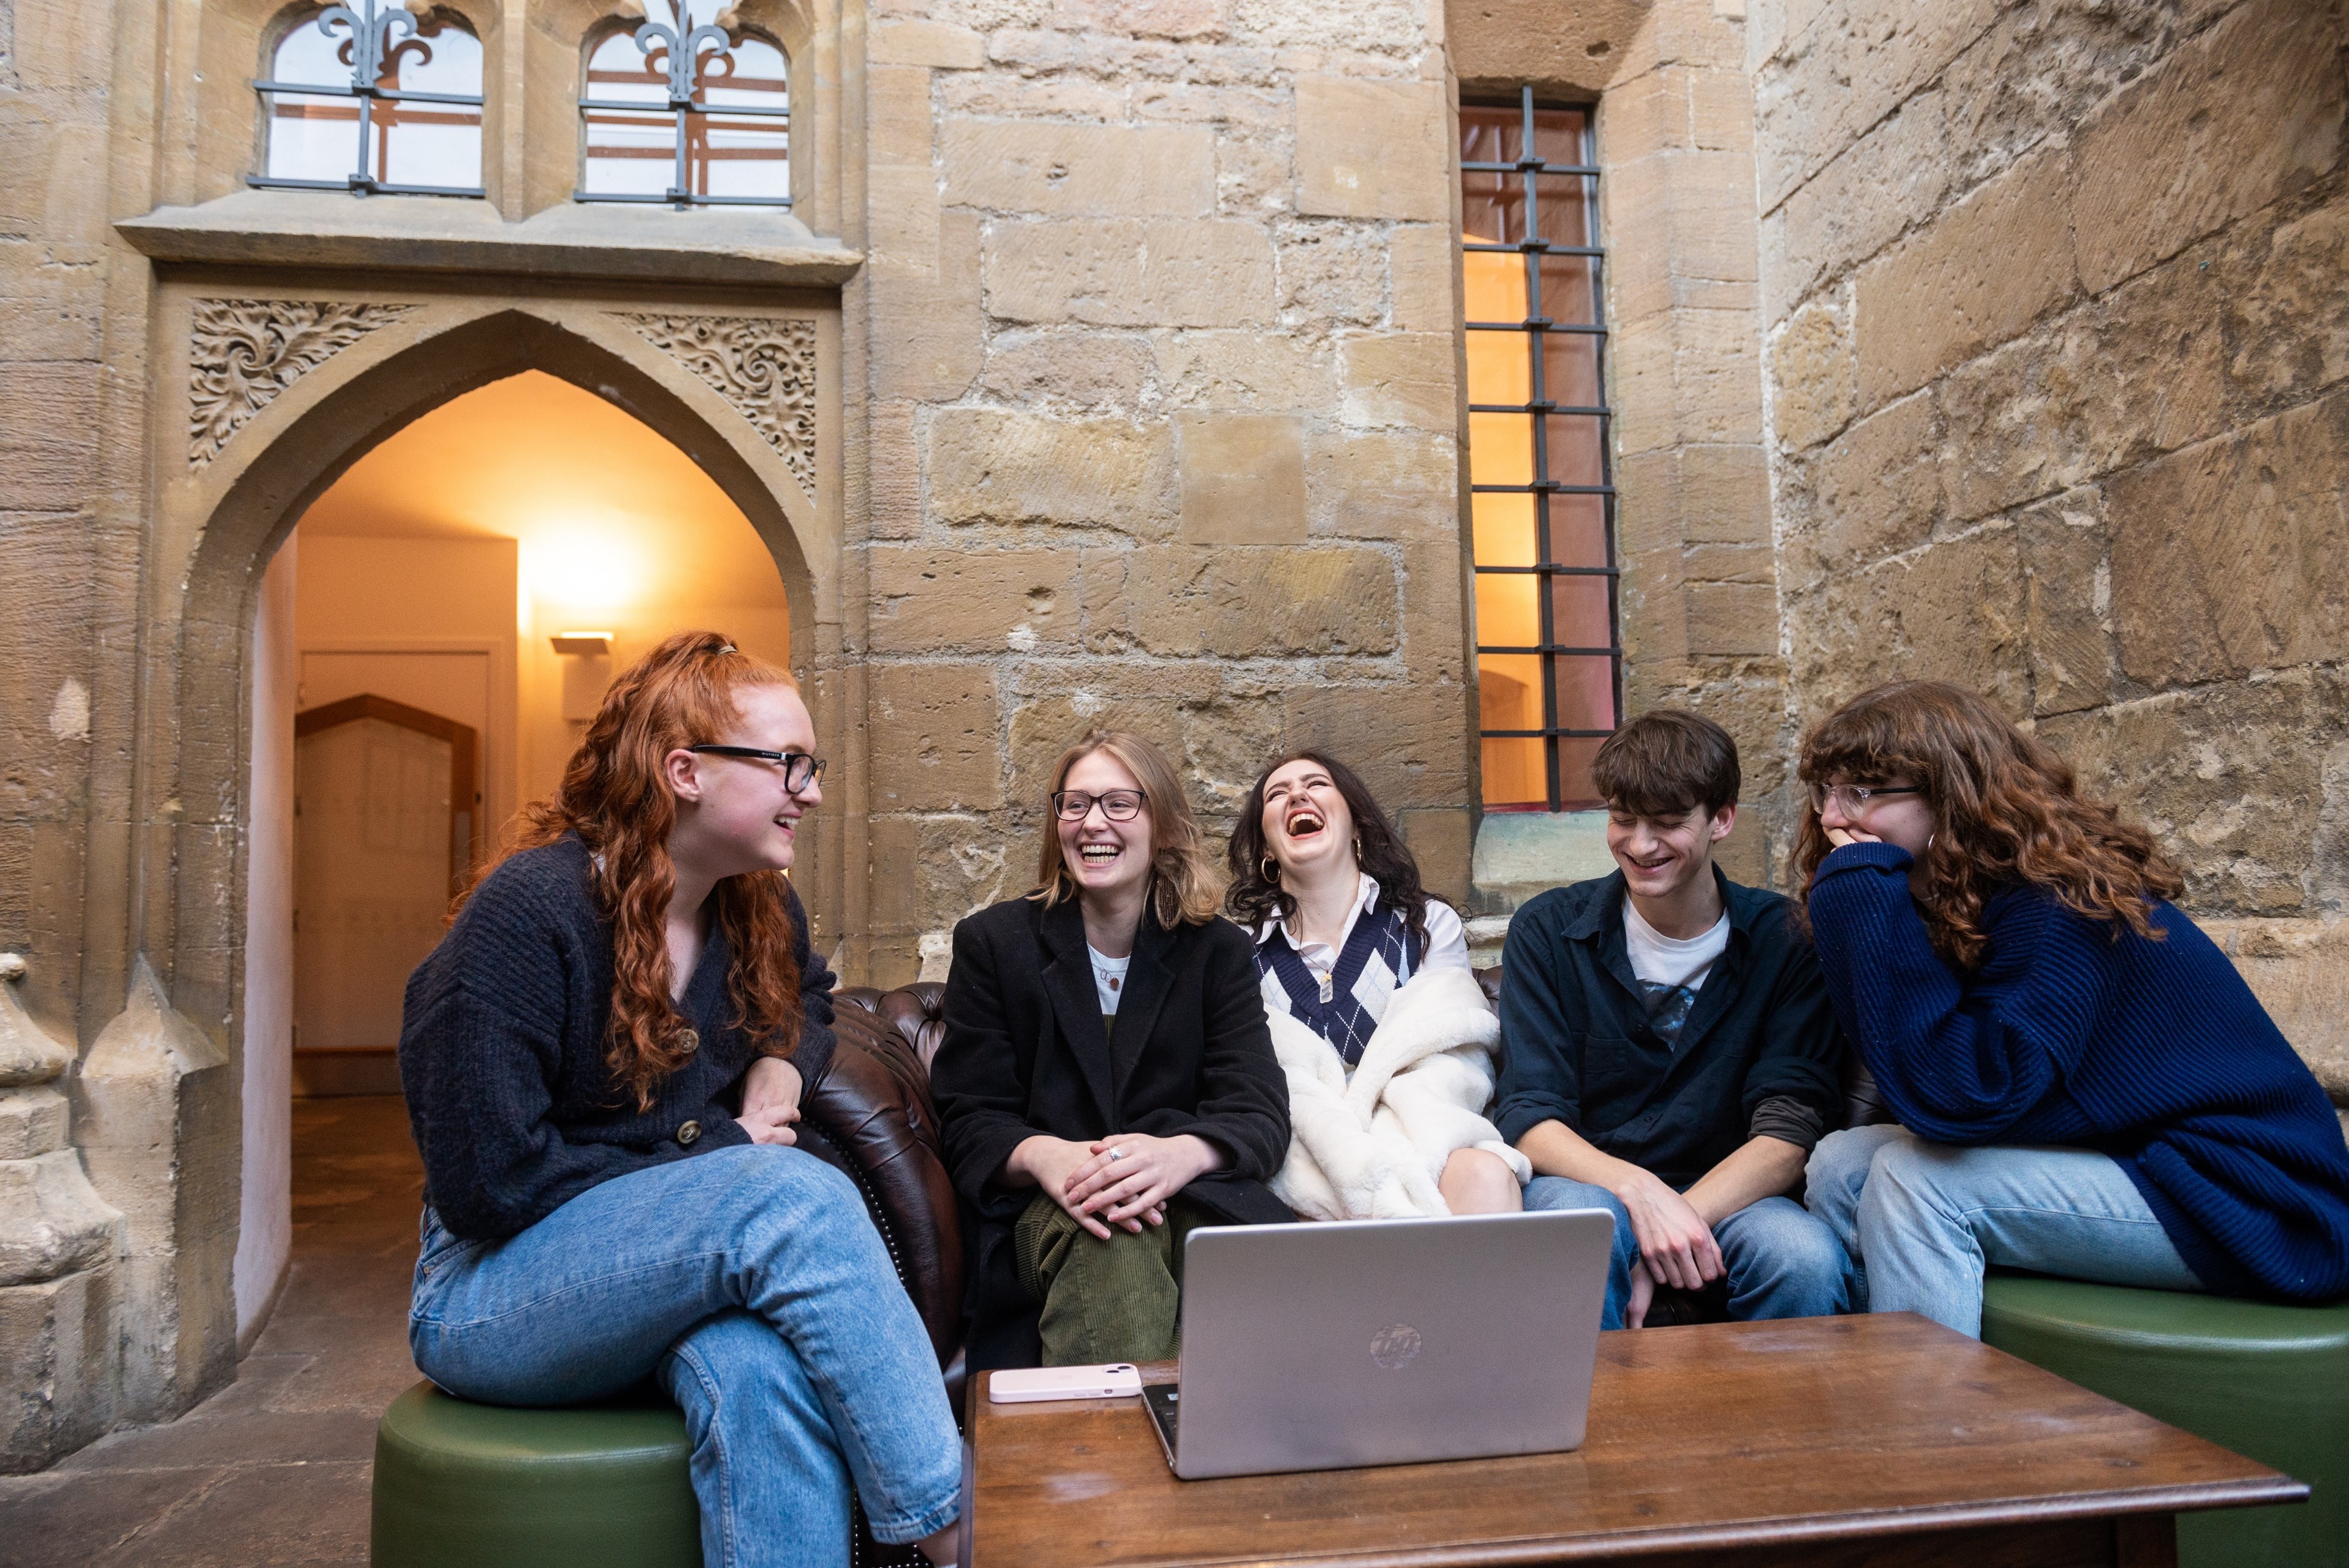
(1676, 1246)
(771, 1101)
(1124, 1180)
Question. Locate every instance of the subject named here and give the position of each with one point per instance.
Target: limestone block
(1442, 840)
(2070, 591)
(61, 1344)
(1382, 485)
(2234, 119)
(158, 1125)
(1411, 747)
(1254, 175)
(2224, 775)
(1005, 467)
(929, 872)
(2233, 554)
(1865, 198)
(1687, 376)
(1124, 272)
(49, 449)
(29, 1055)
(1435, 619)
(51, 1222)
(1423, 278)
(1090, 369)
(1501, 43)
(1245, 370)
(1008, 97)
(1813, 374)
(1079, 171)
(931, 340)
(935, 737)
(1181, 601)
(1987, 268)
(1402, 378)
(896, 469)
(898, 117)
(927, 43)
(904, 235)
(1372, 149)
(1951, 611)
(1256, 110)
(1243, 478)
(929, 600)
(2299, 972)
(1874, 491)
(1330, 273)
(1733, 619)
(33, 1121)
(1150, 18)
(2288, 321)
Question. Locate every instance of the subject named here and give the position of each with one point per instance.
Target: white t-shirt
(1669, 961)
(1109, 976)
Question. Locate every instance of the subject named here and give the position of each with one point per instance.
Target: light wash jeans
(1923, 1220)
(752, 1283)
(1782, 1263)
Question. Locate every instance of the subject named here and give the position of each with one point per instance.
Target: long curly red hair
(2006, 809)
(617, 798)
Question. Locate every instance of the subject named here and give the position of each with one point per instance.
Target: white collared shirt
(1447, 944)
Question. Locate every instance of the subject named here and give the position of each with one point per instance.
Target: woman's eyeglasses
(1117, 805)
(1853, 798)
(800, 770)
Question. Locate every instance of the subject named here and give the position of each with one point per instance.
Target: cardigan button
(687, 1133)
(688, 1040)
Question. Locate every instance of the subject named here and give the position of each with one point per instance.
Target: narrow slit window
(1549, 645)
(374, 97)
(680, 111)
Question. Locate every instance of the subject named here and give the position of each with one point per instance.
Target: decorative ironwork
(376, 42)
(1549, 648)
(685, 100)
(245, 352)
(763, 366)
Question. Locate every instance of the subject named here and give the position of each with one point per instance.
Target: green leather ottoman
(460, 1485)
(2269, 1382)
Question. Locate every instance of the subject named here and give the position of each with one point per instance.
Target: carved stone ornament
(763, 366)
(246, 351)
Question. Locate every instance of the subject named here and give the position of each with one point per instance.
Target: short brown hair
(1666, 763)
(1183, 887)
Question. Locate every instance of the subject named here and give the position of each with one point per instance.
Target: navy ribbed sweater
(2155, 1052)
(502, 1051)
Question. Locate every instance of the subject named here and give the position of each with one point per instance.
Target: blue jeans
(1924, 1219)
(1782, 1263)
(752, 1283)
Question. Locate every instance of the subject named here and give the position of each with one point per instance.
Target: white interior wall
(266, 1230)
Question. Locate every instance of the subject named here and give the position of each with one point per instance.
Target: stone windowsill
(439, 234)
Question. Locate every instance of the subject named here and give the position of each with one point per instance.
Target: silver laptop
(1329, 1345)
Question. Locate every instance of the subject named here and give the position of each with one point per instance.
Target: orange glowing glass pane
(1508, 691)
(1513, 773)
(1503, 528)
(1509, 610)
(1500, 448)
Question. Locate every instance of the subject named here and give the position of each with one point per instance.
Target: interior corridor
(273, 1468)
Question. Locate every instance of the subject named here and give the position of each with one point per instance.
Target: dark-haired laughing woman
(603, 1061)
(1381, 1030)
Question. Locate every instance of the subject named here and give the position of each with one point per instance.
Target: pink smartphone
(1021, 1384)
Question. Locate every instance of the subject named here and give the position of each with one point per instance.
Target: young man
(1670, 1051)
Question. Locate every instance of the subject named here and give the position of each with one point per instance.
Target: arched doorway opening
(470, 585)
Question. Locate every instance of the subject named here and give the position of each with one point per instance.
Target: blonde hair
(1184, 887)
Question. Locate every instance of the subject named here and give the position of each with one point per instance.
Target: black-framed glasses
(800, 770)
(1117, 805)
(1854, 798)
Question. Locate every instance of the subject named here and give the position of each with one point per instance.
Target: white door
(371, 876)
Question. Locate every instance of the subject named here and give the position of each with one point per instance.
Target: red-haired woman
(603, 1061)
(2085, 1085)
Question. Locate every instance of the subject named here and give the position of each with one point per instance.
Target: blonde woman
(1107, 1082)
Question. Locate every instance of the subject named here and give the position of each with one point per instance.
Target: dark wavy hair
(615, 798)
(1255, 898)
(2006, 809)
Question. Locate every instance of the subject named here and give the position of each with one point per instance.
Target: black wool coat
(1025, 1052)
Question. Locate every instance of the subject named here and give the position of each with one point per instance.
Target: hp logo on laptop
(1395, 1346)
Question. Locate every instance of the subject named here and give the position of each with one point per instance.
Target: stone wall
(2056, 350)
(1160, 418)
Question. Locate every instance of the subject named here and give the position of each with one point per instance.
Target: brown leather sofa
(870, 1115)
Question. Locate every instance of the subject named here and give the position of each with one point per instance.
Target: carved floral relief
(763, 366)
(246, 351)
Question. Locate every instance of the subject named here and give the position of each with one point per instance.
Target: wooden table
(1826, 1442)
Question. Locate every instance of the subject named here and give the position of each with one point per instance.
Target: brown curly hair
(1255, 898)
(2005, 808)
(615, 798)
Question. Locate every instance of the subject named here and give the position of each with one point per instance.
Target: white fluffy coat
(1371, 1145)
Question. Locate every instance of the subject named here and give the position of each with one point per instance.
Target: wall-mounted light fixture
(599, 643)
(587, 671)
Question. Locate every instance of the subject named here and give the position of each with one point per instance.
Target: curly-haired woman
(2085, 1085)
(603, 1061)
(1385, 1037)
(1105, 1081)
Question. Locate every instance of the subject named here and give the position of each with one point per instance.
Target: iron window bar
(1534, 249)
(379, 34)
(683, 74)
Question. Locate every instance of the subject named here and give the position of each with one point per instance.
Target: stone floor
(273, 1468)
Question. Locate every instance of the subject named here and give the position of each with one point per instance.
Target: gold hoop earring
(1269, 868)
(1358, 849)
